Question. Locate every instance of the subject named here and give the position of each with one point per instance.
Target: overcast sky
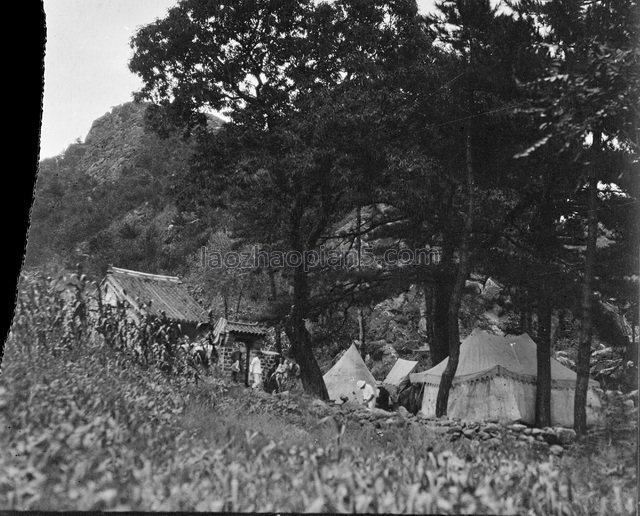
(86, 72)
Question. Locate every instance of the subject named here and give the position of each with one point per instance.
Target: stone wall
(224, 361)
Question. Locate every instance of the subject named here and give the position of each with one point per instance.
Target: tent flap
(400, 370)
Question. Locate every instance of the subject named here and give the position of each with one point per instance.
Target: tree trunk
(442, 297)
(584, 344)
(278, 338)
(361, 329)
(525, 311)
(272, 284)
(442, 400)
(361, 333)
(300, 339)
(237, 314)
(273, 296)
(545, 241)
(247, 363)
(543, 360)
(427, 311)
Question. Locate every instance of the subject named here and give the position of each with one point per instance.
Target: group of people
(275, 378)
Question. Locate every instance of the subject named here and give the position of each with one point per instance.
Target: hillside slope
(108, 200)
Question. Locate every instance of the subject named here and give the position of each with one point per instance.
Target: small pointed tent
(400, 370)
(496, 380)
(342, 378)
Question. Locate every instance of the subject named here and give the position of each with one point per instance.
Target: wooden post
(247, 347)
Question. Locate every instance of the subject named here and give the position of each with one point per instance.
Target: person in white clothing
(255, 370)
(368, 394)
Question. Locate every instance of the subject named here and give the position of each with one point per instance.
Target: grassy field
(86, 430)
(98, 415)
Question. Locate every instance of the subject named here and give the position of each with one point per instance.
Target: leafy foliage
(90, 428)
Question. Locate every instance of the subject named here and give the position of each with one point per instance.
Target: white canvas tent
(496, 380)
(400, 370)
(342, 378)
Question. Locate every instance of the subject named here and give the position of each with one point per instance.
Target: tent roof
(400, 370)
(483, 354)
(341, 379)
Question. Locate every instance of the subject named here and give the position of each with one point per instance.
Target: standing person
(255, 370)
(236, 365)
(280, 373)
(235, 369)
(368, 394)
(295, 370)
(270, 384)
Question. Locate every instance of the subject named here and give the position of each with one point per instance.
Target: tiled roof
(244, 327)
(223, 326)
(160, 293)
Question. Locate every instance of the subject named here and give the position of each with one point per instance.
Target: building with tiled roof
(242, 340)
(153, 294)
(237, 330)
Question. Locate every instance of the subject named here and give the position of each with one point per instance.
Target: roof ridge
(146, 275)
(243, 322)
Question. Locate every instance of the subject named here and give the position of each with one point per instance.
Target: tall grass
(91, 424)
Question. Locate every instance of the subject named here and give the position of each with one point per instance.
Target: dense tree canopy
(502, 134)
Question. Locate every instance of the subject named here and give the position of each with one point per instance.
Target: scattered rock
(494, 441)
(633, 395)
(527, 431)
(404, 412)
(536, 431)
(517, 427)
(565, 435)
(377, 412)
(483, 435)
(468, 433)
(550, 437)
(556, 449)
(318, 405)
(628, 404)
(492, 427)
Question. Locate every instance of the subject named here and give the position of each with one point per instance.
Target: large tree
(296, 78)
(588, 100)
(492, 49)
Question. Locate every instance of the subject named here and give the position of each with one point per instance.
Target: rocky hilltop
(114, 141)
(109, 199)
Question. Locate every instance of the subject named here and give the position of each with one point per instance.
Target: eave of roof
(245, 327)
